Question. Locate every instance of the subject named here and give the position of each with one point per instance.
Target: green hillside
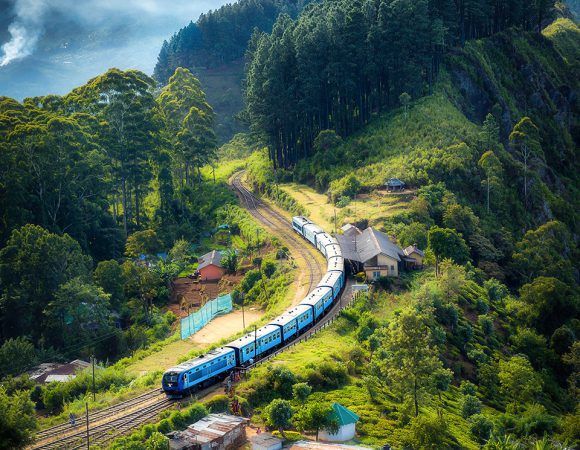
(503, 114)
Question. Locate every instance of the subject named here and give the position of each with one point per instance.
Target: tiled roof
(367, 245)
(212, 258)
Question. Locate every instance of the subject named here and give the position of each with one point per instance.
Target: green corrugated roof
(345, 416)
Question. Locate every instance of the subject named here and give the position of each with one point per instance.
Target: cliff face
(518, 74)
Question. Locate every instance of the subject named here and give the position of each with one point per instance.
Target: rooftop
(368, 244)
(394, 182)
(47, 372)
(211, 428)
(413, 249)
(212, 258)
(344, 415)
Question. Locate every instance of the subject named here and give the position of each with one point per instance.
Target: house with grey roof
(413, 257)
(372, 252)
(210, 267)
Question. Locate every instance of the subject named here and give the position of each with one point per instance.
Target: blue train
(217, 364)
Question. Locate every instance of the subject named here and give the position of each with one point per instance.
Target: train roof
(290, 314)
(314, 228)
(284, 319)
(329, 279)
(326, 238)
(335, 263)
(250, 337)
(301, 220)
(315, 296)
(333, 250)
(209, 356)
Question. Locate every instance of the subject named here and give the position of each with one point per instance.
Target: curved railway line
(282, 228)
(111, 422)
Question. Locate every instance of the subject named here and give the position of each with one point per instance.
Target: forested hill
(343, 61)
(221, 36)
(213, 48)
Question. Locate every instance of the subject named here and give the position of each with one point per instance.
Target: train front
(172, 383)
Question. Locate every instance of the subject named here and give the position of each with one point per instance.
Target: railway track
(280, 226)
(109, 423)
(102, 423)
(283, 228)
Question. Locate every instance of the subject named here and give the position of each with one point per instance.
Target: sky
(52, 46)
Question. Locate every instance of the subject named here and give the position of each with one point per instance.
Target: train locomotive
(215, 365)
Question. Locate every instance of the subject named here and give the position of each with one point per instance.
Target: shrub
(218, 404)
(250, 279)
(486, 324)
(301, 391)
(470, 405)
(291, 436)
(343, 201)
(269, 267)
(480, 427)
(348, 186)
(535, 420)
(467, 388)
(327, 375)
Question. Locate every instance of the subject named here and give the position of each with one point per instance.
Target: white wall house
(347, 425)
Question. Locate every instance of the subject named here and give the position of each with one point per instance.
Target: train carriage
(323, 240)
(310, 231)
(254, 345)
(317, 299)
(334, 282)
(298, 223)
(288, 324)
(190, 374)
(335, 264)
(333, 250)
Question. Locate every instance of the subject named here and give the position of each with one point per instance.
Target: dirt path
(224, 326)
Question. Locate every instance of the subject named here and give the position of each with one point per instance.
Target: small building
(215, 431)
(350, 230)
(372, 252)
(49, 372)
(346, 422)
(394, 184)
(209, 267)
(265, 441)
(413, 257)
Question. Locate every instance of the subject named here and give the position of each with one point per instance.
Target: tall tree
(525, 140)
(492, 168)
(124, 99)
(409, 360)
(447, 243)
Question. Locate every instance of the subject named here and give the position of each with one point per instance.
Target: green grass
(375, 207)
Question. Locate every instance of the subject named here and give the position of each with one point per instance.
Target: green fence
(199, 319)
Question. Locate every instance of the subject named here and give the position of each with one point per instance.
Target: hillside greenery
(341, 62)
(490, 159)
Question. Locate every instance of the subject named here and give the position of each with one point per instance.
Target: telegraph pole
(94, 392)
(87, 414)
